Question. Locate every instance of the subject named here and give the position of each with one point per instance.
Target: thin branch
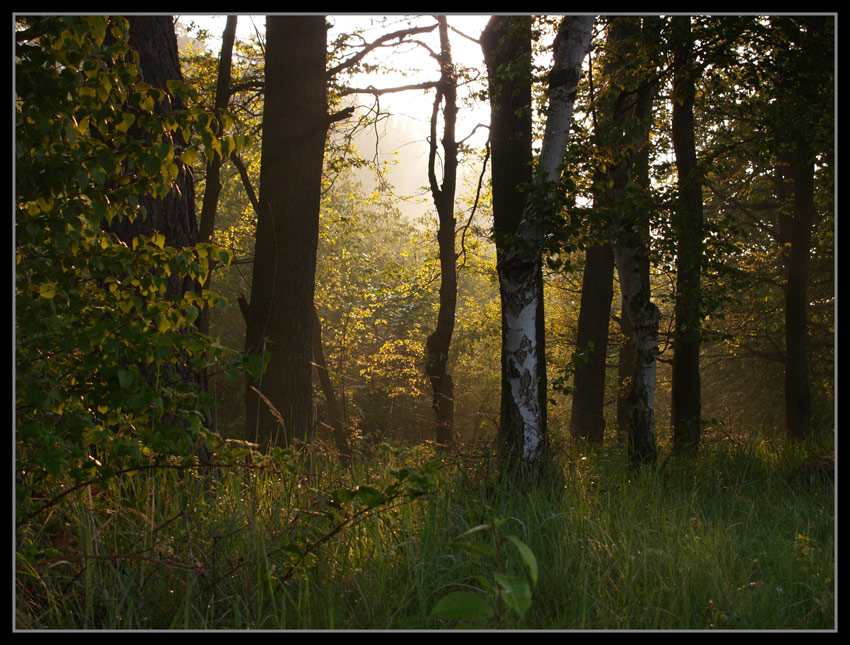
(380, 42)
(474, 204)
(371, 89)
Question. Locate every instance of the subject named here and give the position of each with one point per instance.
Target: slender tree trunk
(213, 178)
(688, 225)
(438, 343)
(523, 432)
(280, 316)
(334, 416)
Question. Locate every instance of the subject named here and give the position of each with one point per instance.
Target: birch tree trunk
(523, 424)
(630, 254)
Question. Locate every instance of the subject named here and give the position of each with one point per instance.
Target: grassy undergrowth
(739, 537)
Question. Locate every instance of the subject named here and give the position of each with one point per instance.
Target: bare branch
(427, 85)
(380, 42)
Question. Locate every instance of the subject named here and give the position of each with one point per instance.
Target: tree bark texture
(506, 43)
(630, 253)
(173, 216)
(686, 406)
(626, 360)
(280, 316)
(587, 420)
(438, 342)
(798, 397)
(524, 437)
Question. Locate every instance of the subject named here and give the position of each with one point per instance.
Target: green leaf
(370, 496)
(526, 554)
(343, 495)
(127, 120)
(474, 529)
(462, 605)
(478, 548)
(125, 378)
(47, 290)
(189, 156)
(517, 592)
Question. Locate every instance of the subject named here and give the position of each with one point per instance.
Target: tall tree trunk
(438, 343)
(506, 43)
(587, 420)
(630, 256)
(798, 397)
(626, 360)
(212, 187)
(523, 432)
(280, 316)
(154, 39)
(173, 216)
(688, 225)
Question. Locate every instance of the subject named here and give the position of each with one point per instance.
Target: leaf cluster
(106, 354)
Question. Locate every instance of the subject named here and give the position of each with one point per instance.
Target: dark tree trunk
(336, 424)
(280, 316)
(626, 361)
(688, 226)
(173, 216)
(213, 178)
(438, 343)
(587, 420)
(798, 397)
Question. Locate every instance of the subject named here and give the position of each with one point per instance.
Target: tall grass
(730, 539)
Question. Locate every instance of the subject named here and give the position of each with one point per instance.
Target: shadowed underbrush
(739, 537)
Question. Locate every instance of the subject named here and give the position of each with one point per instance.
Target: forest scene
(425, 322)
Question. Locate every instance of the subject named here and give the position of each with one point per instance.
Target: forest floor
(740, 537)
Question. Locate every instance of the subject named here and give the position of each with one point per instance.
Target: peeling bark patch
(523, 365)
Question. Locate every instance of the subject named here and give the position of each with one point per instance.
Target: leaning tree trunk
(688, 224)
(438, 343)
(280, 315)
(524, 436)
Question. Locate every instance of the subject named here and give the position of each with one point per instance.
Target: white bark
(520, 297)
(643, 316)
